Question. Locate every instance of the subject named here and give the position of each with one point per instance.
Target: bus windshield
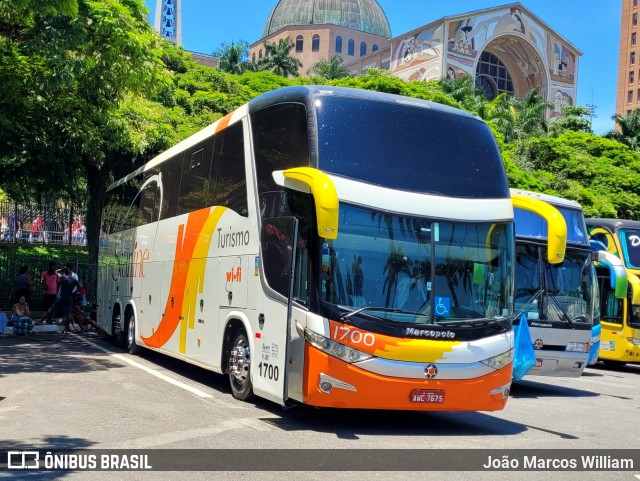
(567, 289)
(530, 224)
(410, 269)
(630, 240)
(402, 146)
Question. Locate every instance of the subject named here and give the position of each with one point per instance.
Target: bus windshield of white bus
(406, 269)
(630, 240)
(409, 147)
(530, 224)
(566, 289)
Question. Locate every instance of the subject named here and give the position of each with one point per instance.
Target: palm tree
(278, 58)
(234, 57)
(464, 91)
(330, 69)
(518, 118)
(629, 129)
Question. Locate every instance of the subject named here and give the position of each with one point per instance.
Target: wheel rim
(239, 362)
(131, 332)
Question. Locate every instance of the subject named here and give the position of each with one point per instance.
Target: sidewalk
(56, 326)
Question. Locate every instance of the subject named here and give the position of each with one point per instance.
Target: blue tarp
(594, 349)
(524, 356)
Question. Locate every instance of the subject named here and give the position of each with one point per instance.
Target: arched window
(299, 43)
(338, 44)
(260, 54)
(253, 57)
(351, 47)
(493, 77)
(363, 49)
(315, 43)
(374, 48)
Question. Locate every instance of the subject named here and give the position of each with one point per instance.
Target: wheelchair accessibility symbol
(442, 306)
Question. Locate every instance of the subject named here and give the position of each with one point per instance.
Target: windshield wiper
(558, 306)
(346, 317)
(528, 303)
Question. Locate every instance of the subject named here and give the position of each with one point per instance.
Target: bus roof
(305, 93)
(549, 199)
(613, 224)
(301, 94)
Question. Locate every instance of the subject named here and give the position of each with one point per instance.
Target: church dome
(363, 15)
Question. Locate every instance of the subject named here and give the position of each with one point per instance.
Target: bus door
(270, 360)
(616, 313)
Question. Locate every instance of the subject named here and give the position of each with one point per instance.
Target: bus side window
(194, 183)
(170, 171)
(130, 201)
(228, 176)
(148, 211)
(280, 141)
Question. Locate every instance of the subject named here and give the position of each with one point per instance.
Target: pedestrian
(50, 283)
(23, 284)
(21, 317)
(68, 284)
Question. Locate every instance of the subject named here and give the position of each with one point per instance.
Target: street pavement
(76, 391)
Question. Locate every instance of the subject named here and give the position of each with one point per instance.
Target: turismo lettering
(233, 239)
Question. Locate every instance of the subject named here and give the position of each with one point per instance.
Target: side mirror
(556, 225)
(325, 196)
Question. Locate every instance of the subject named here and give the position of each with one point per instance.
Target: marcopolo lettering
(233, 239)
(411, 331)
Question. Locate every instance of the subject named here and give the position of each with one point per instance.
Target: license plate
(538, 362)
(426, 396)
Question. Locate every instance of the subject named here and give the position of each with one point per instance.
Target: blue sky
(593, 26)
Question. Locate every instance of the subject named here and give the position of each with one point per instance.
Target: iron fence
(10, 266)
(41, 224)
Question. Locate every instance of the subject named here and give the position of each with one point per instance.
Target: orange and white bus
(321, 245)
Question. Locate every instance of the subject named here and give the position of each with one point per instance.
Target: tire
(239, 362)
(613, 364)
(118, 333)
(131, 345)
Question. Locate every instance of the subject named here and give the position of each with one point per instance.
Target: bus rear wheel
(239, 363)
(132, 346)
(118, 332)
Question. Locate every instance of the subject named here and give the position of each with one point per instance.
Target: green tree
(575, 118)
(628, 131)
(278, 58)
(330, 69)
(234, 58)
(79, 73)
(518, 118)
(464, 91)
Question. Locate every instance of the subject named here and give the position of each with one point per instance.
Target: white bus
(558, 294)
(322, 245)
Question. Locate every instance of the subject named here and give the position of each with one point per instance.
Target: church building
(505, 49)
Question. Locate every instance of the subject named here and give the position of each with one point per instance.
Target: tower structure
(628, 91)
(169, 20)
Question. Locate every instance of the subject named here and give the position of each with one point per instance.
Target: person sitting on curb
(20, 315)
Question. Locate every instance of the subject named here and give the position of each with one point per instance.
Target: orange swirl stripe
(186, 243)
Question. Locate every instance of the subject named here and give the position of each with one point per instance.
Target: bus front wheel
(239, 368)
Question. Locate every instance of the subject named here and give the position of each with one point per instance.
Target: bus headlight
(576, 347)
(499, 361)
(634, 340)
(342, 352)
